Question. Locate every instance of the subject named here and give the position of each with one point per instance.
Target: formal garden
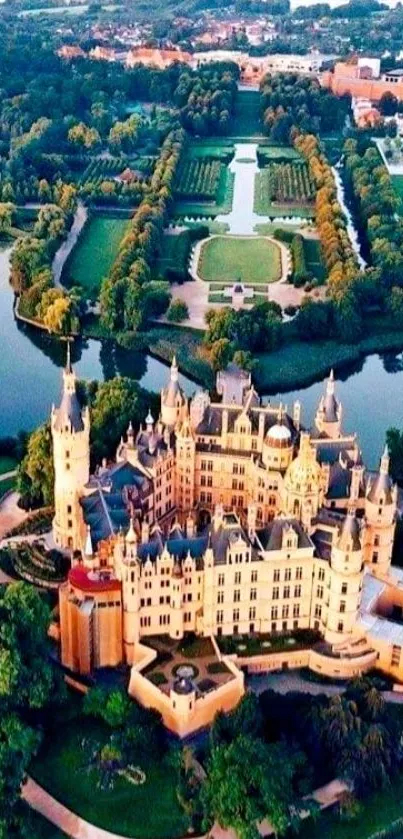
(204, 184)
(284, 189)
(229, 259)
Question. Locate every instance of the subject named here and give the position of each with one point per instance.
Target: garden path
(67, 246)
(289, 681)
(10, 513)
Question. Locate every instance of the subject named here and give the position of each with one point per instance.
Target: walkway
(10, 513)
(67, 246)
(292, 681)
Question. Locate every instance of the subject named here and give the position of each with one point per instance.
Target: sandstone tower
(71, 455)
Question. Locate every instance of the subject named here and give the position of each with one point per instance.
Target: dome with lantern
(303, 474)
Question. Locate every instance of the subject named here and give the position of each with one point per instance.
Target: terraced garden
(227, 259)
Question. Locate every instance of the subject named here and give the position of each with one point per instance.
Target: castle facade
(225, 517)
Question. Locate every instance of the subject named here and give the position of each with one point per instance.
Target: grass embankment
(7, 464)
(377, 813)
(144, 811)
(299, 363)
(227, 260)
(94, 254)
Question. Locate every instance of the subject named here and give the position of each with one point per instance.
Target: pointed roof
(68, 415)
(349, 535)
(381, 487)
(173, 389)
(330, 404)
(88, 549)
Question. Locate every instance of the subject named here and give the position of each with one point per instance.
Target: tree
(111, 706)
(36, 474)
(394, 442)
(114, 404)
(248, 781)
(178, 311)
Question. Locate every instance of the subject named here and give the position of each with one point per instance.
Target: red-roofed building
(151, 57)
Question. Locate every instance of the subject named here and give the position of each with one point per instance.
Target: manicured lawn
(397, 181)
(7, 464)
(228, 259)
(377, 813)
(94, 254)
(148, 811)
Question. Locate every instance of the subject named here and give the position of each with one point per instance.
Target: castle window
(344, 588)
(396, 653)
(295, 610)
(237, 595)
(70, 523)
(209, 480)
(298, 573)
(321, 574)
(234, 483)
(235, 616)
(67, 467)
(286, 592)
(287, 574)
(253, 577)
(285, 611)
(209, 466)
(375, 557)
(276, 593)
(318, 611)
(235, 469)
(67, 454)
(376, 541)
(253, 594)
(220, 597)
(203, 480)
(209, 498)
(276, 575)
(342, 606)
(233, 501)
(340, 626)
(68, 508)
(254, 445)
(319, 591)
(297, 591)
(274, 613)
(273, 627)
(220, 616)
(252, 613)
(237, 578)
(221, 579)
(241, 470)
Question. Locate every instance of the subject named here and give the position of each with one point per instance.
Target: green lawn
(397, 181)
(94, 254)
(377, 813)
(228, 259)
(274, 154)
(7, 463)
(149, 811)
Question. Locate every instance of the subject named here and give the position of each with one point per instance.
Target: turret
(302, 489)
(70, 427)
(329, 414)
(130, 574)
(176, 612)
(380, 519)
(172, 398)
(345, 580)
(277, 448)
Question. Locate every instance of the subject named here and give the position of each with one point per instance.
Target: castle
(224, 518)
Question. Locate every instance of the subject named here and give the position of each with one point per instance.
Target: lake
(31, 362)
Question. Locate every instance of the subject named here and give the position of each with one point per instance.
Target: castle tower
(172, 398)
(185, 464)
(380, 519)
(127, 569)
(345, 581)
(302, 490)
(176, 612)
(71, 456)
(329, 414)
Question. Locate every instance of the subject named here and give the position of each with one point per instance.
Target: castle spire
(174, 370)
(385, 459)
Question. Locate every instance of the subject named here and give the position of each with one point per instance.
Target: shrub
(178, 311)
